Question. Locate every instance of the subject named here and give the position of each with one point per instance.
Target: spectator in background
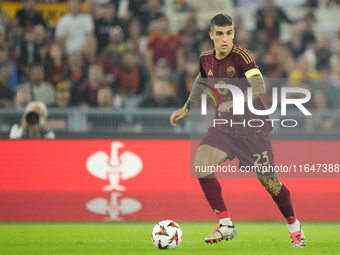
(89, 51)
(90, 57)
(111, 56)
(164, 44)
(6, 93)
(302, 71)
(187, 76)
(244, 39)
(325, 83)
(307, 84)
(63, 95)
(270, 60)
(105, 98)
(29, 17)
(207, 44)
(28, 53)
(33, 123)
(308, 36)
(4, 58)
(3, 36)
(75, 75)
(137, 42)
(40, 38)
(323, 53)
(93, 9)
(163, 72)
(21, 100)
(309, 54)
(296, 44)
(268, 21)
(283, 54)
(126, 9)
(161, 96)
(190, 34)
(148, 13)
(55, 64)
(320, 122)
(38, 88)
(238, 21)
(124, 13)
(89, 89)
(288, 66)
(73, 28)
(5, 20)
(103, 26)
(133, 78)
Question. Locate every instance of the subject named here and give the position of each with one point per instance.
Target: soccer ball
(166, 235)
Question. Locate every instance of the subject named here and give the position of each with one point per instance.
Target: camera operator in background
(32, 123)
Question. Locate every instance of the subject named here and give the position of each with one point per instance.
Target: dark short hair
(221, 20)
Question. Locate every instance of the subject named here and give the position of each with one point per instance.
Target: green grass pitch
(135, 238)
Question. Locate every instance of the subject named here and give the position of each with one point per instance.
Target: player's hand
(178, 115)
(225, 108)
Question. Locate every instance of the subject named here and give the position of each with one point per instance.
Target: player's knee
(202, 167)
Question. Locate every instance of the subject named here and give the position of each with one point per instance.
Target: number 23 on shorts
(258, 157)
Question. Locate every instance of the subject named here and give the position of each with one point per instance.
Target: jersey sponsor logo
(231, 71)
(114, 167)
(115, 208)
(210, 72)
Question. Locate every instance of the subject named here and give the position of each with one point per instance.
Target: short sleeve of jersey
(202, 71)
(246, 60)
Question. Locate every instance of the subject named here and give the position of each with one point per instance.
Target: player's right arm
(195, 94)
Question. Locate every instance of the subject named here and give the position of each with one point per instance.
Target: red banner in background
(96, 180)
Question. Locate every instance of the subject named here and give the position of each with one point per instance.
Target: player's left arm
(256, 82)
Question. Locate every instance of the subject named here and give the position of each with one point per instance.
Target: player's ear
(211, 35)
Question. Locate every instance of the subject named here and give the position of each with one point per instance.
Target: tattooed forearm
(271, 184)
(196, 92)
(257, 84)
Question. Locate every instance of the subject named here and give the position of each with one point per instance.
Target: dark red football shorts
(250, 152)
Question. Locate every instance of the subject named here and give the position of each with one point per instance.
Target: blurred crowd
(123, 53)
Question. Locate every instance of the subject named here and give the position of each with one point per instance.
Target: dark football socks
(213, 192)
(285, 204)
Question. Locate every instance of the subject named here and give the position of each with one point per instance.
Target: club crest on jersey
(210, 73)
(231, 71)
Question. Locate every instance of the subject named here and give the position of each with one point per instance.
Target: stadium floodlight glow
(238, 100)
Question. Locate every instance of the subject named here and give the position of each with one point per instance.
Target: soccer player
(251, 145)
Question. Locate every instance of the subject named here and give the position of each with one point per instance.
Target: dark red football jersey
(231, 70)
